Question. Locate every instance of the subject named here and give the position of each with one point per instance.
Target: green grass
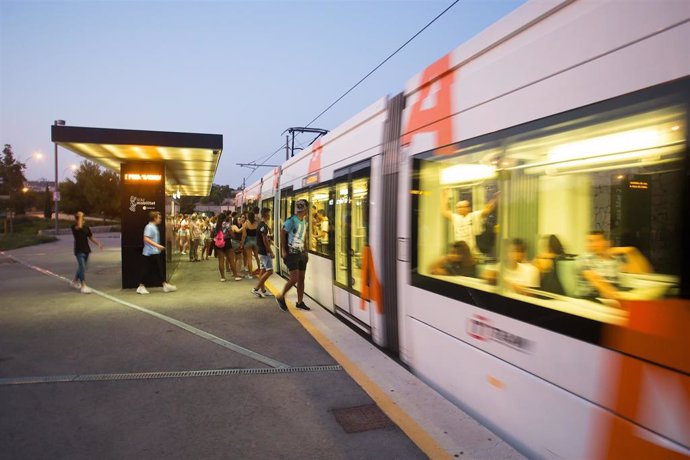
(25, 232)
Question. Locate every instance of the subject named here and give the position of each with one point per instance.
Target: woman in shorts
(248, 243)
(226, 253)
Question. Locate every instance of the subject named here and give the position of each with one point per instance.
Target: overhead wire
(362, 79)
(382, 62)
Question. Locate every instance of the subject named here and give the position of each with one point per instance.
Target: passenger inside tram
(467, 224)
(518, 274)
(548, 263)
(458, 262)
(600, 268)
(620, 171)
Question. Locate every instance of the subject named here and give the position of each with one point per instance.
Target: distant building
(40, 185)
(227, 205)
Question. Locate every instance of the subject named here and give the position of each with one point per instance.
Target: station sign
(143, 177)
(311, 179)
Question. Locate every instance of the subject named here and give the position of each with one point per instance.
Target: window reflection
(588, 212)
(360, 210)
(342, 222)
(320, 220)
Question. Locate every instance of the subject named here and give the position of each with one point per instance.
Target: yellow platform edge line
(410, 427)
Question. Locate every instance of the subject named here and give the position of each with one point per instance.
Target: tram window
(458, 216)
(319, 224)
(588, 215)
(359, 228)
(286, 209)
(342, 224)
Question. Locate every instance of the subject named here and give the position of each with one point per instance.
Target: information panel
(143, 191)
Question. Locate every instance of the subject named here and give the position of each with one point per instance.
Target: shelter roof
(191, 159)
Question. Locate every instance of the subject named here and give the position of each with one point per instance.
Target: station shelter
(152, 165)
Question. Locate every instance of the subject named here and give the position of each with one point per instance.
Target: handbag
(219, 240)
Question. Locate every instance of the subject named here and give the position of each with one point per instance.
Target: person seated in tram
(518, 274)
(467, 224)
(458, 262)
(600, 267)
(547, 263)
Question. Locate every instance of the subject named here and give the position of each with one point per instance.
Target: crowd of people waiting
(239, 241)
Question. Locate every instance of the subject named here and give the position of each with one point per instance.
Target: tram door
(351, 238)
(286, 210)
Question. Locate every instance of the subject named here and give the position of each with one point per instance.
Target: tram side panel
(566, 376)
(325, 166)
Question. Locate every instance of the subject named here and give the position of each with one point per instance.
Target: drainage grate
(361, 418)
(165, 375)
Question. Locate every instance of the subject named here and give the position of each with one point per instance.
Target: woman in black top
(547, 263)
(249, 244)
(82, 234)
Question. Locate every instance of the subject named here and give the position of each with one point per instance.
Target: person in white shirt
(519, 275)
(467, 224)
(323, 231)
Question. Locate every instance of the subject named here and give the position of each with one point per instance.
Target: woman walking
(82, 234)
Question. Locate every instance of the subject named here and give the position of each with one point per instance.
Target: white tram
(562, 118)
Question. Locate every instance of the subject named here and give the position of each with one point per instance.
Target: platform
(209, 371)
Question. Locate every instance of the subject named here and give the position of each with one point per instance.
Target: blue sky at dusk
(246, 70)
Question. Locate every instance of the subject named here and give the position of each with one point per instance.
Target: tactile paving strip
(164, 375)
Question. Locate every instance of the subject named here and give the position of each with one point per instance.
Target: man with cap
(293, 238)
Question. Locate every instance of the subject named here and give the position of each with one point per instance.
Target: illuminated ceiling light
(620, 176)
(467, 173)
(626, 141)
(675, 128)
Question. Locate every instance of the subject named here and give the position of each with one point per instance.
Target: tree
(94, 191)
(218, 194)
(12, 179)
(187, 204)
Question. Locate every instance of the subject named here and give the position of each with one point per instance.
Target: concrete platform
(110, 375)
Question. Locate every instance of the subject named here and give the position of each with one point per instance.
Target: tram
(514, 226)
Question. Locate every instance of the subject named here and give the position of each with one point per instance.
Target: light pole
(73, 167)
(56, 193)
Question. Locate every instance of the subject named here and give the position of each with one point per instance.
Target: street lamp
(37, 155)
(56, 193)
(72, 167)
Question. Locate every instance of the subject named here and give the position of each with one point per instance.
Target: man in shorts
(293, 238)
(263, 243)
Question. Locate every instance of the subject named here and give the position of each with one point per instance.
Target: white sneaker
(75, 284)
(222, 280)
(85, 290)
(238, 278)
(169, 287)
(256, 292)
(266, 293)
(142, 290)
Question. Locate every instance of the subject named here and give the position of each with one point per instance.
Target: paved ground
(50, 330)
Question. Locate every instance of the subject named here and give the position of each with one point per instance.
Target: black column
(143, 190)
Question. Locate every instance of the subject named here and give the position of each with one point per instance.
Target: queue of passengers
(193, 235)
(597, 272)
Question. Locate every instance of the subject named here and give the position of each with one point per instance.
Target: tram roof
(191, 159)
